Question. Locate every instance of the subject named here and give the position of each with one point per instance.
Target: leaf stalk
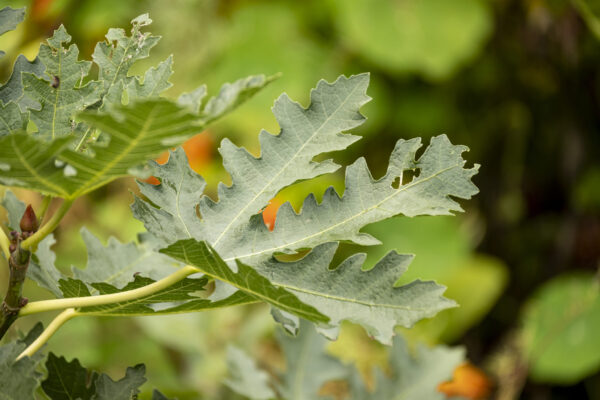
(79, 302)
(48, 332)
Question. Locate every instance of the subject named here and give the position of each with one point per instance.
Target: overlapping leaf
(137, 132)
(245, 278)
(308, 368)
(285, 159)
(121, 267)
(439, 176)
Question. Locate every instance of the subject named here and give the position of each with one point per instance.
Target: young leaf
(63, 95)
(68, 380)
(245, 377)
(199, 255)
(19, 379)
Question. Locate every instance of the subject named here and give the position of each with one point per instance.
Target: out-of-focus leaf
(560, 327)
(431, 37)
(414, 375)
(15, 209)
(308, 366)
(245, 378)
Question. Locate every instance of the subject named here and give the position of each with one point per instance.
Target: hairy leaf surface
(285, 159)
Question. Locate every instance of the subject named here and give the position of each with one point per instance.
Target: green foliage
(66, 134)
(561, 322)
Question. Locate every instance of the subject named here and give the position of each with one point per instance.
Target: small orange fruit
(467, 381)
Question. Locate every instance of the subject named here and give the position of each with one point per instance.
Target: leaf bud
(29, 221)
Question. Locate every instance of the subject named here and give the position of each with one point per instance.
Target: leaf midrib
(357, 215)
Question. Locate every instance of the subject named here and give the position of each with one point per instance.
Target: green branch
(48, 332)
(78, 302)
(32, 242)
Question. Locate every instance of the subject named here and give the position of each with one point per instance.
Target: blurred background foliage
(516, 81)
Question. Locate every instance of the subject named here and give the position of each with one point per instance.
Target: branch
(48, 332)
(32, 242)
(78, 302)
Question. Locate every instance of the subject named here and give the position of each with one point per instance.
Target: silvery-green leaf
(441, 177)
(348, 292)
(285, 159)
(117, 263)
(193, 100)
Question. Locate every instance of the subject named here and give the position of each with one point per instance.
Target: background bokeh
(516, 81)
